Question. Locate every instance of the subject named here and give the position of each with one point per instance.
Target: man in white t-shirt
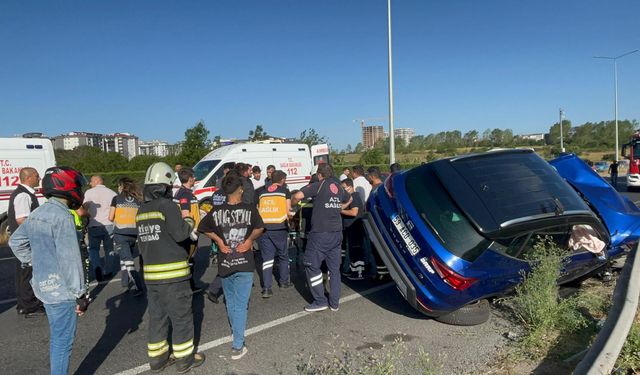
(256, 177)
(97, 202)
(346, 173)
(360, 183)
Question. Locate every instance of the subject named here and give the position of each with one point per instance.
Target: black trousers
(26, 300)
(170, 305)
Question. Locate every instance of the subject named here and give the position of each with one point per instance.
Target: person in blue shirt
(325, 238)
(48, 241)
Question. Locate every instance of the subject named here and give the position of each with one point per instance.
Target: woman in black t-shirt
(234, 226)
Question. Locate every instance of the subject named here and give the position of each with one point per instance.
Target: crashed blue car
(457, 231)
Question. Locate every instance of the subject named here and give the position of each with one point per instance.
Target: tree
(89, 159)
(196, 144)
(373, 156)
(258, 134)
(554, 132)
(348, 150)
(142, 162)
(470, 138)
(311, 137)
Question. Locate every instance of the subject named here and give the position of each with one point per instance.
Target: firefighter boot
(187, 363)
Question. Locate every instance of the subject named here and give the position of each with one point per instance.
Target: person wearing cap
(47, 240)
(161, 229)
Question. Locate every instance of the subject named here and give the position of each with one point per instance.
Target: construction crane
(363, 122)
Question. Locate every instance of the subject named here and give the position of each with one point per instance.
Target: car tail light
(388, 186)
(456, 281)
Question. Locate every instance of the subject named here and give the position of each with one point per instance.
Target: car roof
(502, 188)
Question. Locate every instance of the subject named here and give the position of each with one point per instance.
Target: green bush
(537, 302)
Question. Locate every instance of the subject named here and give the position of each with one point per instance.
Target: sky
(155, 68)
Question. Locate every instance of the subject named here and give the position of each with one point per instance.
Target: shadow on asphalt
(124, 317)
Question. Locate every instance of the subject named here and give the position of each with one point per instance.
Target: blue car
(602, 166)
(457, 231)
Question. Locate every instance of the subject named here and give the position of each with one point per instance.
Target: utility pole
(392, 138)
(615, 90)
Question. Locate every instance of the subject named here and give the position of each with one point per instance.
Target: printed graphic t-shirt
(234, 224)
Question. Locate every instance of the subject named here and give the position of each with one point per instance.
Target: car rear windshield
(202, 169)
(440, 213)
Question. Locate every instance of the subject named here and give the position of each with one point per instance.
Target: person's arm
(112, 210)
(19, 243)
(184, 202)
(178, 228)
(248, 243)
(65, 242)
(296, 198)
(353, 211)
(219, 242)
(206, 227)
(22, 207)
(258, 228)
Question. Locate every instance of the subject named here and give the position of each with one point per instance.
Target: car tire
(472, 314)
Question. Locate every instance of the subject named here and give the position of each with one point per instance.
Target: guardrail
(602, 356)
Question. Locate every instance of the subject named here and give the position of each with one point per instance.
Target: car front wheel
(469, 315)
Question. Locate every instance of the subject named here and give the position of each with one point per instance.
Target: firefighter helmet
(159, 173)
(66, 183)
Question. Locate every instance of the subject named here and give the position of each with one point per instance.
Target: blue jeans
(102, 235)
(237, 289)
(62, 327)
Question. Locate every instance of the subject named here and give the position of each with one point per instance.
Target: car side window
(212, 181)
(558, 234)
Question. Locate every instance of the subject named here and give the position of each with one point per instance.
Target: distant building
(404, 133)
(123, 143)
(72, 140)
(154, 148)
(371, 135)
(534, 137)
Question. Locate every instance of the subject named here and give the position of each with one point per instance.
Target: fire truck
(631, 151)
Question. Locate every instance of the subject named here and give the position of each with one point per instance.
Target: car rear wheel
(469, 315)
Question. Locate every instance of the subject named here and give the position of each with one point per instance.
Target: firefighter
(166, 272)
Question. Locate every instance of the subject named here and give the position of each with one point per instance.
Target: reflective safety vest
(160, 229)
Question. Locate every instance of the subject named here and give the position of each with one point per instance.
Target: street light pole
(392, 138)
(615, 90)
(561, 132)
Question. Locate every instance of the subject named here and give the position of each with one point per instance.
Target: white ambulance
(15, 154)
(294, 159)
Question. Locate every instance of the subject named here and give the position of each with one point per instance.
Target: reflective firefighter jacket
(160, 228)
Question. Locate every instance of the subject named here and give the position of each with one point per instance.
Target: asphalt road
(111, 337)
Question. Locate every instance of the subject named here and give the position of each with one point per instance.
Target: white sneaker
(239, 353)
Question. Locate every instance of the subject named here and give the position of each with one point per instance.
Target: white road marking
(262, 327)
